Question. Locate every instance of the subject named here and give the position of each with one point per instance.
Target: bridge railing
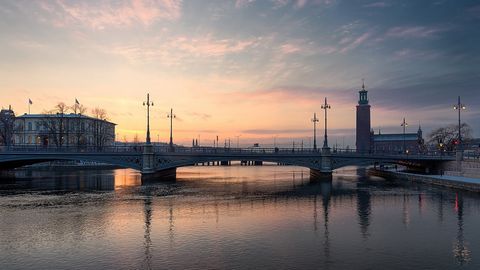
(70, 149)
(218, 150)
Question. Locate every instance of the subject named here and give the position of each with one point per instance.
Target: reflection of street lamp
(459, 106)
(404, 125)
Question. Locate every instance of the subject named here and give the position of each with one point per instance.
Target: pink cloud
(111, 13)
(243, 3)
(357, 42)
(415, 31)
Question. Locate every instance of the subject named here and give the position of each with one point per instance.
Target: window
(29, 126)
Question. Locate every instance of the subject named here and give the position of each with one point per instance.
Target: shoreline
(457, 182)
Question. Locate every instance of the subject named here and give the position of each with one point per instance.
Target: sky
(255, 70)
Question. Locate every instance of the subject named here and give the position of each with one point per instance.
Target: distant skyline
(258, 69)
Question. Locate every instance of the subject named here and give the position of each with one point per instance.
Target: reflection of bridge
(151, 160)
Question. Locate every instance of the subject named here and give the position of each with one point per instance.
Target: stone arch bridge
(162, 161)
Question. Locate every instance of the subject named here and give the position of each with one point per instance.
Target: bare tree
(7, 119)
(100, 133)
(447, 137)
(55, 124)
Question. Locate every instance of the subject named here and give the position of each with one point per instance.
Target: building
(62, 130)
(7, 118)
(368, 142)
(363, 134)
(398, 142)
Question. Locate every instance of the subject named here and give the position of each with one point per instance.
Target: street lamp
(171, 116)
(238, 140)
(404, 125)
(148, 103)
(459, 106)
(315, 120)
(325, 107)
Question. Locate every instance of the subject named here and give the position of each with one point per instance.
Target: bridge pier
(148, 156)
(325, 171)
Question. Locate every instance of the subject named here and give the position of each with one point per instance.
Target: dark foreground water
(235, 217)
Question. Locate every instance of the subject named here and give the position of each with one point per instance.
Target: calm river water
(267, 217)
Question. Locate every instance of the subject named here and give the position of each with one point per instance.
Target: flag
(30, 101)
(76, 101)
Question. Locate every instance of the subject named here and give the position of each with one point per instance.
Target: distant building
(63, 130)
(363, 135)
(413, 142)
(7, 118)
(367, 141)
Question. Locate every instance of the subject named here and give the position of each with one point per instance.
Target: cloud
(109, 13)
(180, 50)
(355, 43)
(243, 3)
(377, 5)
(415, 31)
(404, 54)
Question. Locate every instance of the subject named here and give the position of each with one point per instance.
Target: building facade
(57, 130)
(398, 142)
(363, 134)
(7, 119)
(368, 142)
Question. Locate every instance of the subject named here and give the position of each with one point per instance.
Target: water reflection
(232, 218)
(460, 247)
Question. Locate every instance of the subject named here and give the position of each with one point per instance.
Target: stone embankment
(459, 182)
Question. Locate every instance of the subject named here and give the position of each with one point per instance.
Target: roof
(67, 115)
(395, 137)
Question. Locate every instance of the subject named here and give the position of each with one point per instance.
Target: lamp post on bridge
(238, 140)
(315, 120)
(459, 106)
(325, 107)
(148, 103)
(404, 125)
(171, 116)
(148, 156)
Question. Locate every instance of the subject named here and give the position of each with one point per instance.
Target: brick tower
(363, 143)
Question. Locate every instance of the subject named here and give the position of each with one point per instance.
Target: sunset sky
(257, 69)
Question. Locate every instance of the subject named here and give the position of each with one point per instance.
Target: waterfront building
(7, 118)
(363, 134)
(367, 141)
(398, 142)
(62, 130)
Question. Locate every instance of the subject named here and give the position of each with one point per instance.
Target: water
(267, 217)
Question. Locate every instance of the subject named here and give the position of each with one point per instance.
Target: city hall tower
(363, 122)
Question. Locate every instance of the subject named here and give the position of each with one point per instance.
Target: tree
(100, 132)
(7, 119)
(447, 137)
(55, 124)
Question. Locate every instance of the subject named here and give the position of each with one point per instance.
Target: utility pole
(148, 103)
(315, 120)
(325, 107)
(171, 116)
(404, 125)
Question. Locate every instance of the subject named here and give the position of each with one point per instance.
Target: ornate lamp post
(404, 125)
(315, 120)
(148, 103)
(171, 116)
(459, 106)
(325, 107)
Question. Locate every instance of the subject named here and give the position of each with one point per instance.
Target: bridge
(156, 162)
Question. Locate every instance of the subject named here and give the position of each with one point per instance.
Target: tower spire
(363, 84)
